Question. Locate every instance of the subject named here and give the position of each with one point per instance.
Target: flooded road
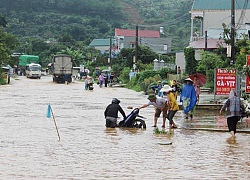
(29, 147)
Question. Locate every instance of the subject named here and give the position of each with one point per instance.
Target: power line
(174, 21)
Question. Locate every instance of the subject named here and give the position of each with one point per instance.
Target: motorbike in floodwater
(133, 120)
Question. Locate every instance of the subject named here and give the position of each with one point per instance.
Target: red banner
(247, 78)
(225, 81)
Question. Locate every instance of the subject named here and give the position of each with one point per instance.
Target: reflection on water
(29, 148)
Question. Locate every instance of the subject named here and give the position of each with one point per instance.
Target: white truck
(62, 68)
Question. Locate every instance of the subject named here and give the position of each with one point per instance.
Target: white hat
(166, 88)
(188, 79)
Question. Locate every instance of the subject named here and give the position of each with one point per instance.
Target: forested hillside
(84, 20)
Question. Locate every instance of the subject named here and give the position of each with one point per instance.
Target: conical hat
(166, 88)
(188, 79)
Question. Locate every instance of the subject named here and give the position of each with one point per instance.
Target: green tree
(146, 55)
(210, 61)
(191, 62)
(242, 49)
(78, 57)
(3, 21)
(7, 44)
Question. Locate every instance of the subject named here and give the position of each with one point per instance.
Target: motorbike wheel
(139, 123)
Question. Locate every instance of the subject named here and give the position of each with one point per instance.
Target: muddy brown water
(29, 147)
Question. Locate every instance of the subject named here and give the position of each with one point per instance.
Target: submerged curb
(217, 130)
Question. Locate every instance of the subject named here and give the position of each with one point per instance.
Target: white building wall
(102, 48)
(214, 19)
(180, 61)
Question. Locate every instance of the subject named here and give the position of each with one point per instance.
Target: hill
(81, 20)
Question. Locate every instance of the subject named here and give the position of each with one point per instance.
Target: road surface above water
(29, 147)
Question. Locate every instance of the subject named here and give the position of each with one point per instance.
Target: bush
(125, 75)
(210, 79)
(144, 80)
(165, 71)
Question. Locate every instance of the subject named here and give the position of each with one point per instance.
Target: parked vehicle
(33, 71)
(133, 120)
(62, 68)
(24, 60)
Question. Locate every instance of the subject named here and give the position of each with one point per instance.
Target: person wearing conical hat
(188, 96)
(160, 105)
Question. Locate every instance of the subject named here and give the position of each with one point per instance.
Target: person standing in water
(188, 97)
(233, 105)
(173, 106)
(160, 105)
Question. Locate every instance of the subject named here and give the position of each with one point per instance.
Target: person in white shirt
(160, 105)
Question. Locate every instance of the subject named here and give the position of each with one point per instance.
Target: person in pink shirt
(101, 80)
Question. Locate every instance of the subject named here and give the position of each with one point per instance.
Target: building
(101, 44)
(126, 38)
(210, 16)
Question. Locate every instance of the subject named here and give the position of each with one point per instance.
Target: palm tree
(77, 55)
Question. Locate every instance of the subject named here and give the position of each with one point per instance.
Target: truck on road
(62, 68)
(26, 59)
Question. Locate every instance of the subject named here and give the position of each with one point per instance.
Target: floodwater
(29, 146)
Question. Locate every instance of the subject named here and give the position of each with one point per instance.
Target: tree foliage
(81, 20)
(7, 44)
(191, 62)
(3, 21)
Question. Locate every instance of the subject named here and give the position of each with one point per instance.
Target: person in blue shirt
(159, 87)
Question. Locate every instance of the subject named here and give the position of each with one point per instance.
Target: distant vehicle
(76, 72)
(62, 68)
(27, 59)
(33, 70)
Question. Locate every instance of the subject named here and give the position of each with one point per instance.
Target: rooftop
(218, 4)
(211, 43)
(100, 42)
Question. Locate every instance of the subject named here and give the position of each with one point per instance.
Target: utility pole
(110, 47)
(232, 32)
(205, 40)
(136, 44)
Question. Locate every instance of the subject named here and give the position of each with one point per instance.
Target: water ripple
(29, 147)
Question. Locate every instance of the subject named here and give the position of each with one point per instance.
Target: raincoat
(188, 97)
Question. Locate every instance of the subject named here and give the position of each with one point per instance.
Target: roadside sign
(225, 81)
(247, 90)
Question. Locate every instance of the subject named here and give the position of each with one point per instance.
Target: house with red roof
(126, 38)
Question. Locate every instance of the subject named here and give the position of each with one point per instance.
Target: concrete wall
(156, 44)
(214, 19)
(102, 48)
(180, 61)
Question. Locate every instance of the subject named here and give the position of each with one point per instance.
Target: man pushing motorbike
(111, 113)
(160, 105)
